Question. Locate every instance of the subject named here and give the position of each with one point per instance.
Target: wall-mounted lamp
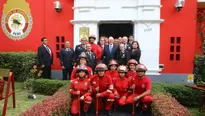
(57, 5)
(179, 4)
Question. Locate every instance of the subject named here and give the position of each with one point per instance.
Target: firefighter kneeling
(141, 86)
(80, 90)
(102, 88)
(121, 85)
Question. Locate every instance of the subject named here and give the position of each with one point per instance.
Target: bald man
(110, 51)
(66, 60)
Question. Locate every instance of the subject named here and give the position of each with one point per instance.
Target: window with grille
(59, 44)
(175, 48)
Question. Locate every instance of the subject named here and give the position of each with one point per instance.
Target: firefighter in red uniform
(132, 68)
(102, 88)
(121, 86)
(83, 61)
(95, 48)
(142, 91)
(113, 69)
(80, 90)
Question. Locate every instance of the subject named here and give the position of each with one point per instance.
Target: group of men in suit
(94, 53)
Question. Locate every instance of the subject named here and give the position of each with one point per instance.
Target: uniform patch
(111, 87)
(86, 83)
(143, 86)
(76, 82)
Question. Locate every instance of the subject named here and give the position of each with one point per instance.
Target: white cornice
(149, 20)
(84, 21)
(135, 21)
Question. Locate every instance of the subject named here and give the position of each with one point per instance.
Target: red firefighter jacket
(104, 83)
(121, 87)
(80, 85)
(113, 74)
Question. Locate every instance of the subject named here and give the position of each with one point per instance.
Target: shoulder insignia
(143, 86)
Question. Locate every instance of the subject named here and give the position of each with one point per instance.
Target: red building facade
(177, 32)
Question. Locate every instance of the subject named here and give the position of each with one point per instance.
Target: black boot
(108, 113)
(86, 114)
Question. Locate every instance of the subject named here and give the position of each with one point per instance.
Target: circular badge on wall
(17, 24)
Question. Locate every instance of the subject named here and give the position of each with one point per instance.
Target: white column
(147, 33)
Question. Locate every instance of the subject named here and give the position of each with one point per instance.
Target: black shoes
(108, 112)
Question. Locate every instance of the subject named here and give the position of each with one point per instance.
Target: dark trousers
(47, 72)
(66, 72)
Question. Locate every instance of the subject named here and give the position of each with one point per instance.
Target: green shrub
(199, 69)
(166, 105)
(19, 62)
(48, 87)
(184, 95)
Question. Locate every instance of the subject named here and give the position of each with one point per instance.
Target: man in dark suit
(127, 45)
(66, 60)
(45, 58)
(110, 51)
(79, 49)
(91, 56)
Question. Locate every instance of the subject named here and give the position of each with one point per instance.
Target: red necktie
(49, 51)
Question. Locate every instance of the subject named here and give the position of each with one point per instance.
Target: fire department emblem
(143, 86)
(16, 20)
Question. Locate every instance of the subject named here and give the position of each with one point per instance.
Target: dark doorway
(115, 30)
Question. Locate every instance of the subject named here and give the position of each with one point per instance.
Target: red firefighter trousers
(109, 99)
(75, 104)
(146, 100)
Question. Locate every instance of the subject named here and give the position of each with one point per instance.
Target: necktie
(49, 51)
(90, 55)
(110, 48)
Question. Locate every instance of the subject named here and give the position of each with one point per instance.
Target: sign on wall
(16, 20)
(84, 32)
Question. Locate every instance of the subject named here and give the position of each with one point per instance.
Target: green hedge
(48, 87)
(19, 62)
(184, 95)
(199, 68)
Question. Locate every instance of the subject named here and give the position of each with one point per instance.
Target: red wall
(178, 24)
(46, 22)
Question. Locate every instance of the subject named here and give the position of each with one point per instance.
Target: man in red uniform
(80, 90)
(121, 86)
(132, 68)
(102, 88)
(113, 69)
(83, 61)
(142, 91)
(95, 48)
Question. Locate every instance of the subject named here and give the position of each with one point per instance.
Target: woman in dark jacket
(135, 52)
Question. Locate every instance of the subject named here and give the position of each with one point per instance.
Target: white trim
(83, 21)
(137, 6)
(90, 7)
(135, 21)
(153, 72)
(148, 21)
(83, 10)
(201, 0)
